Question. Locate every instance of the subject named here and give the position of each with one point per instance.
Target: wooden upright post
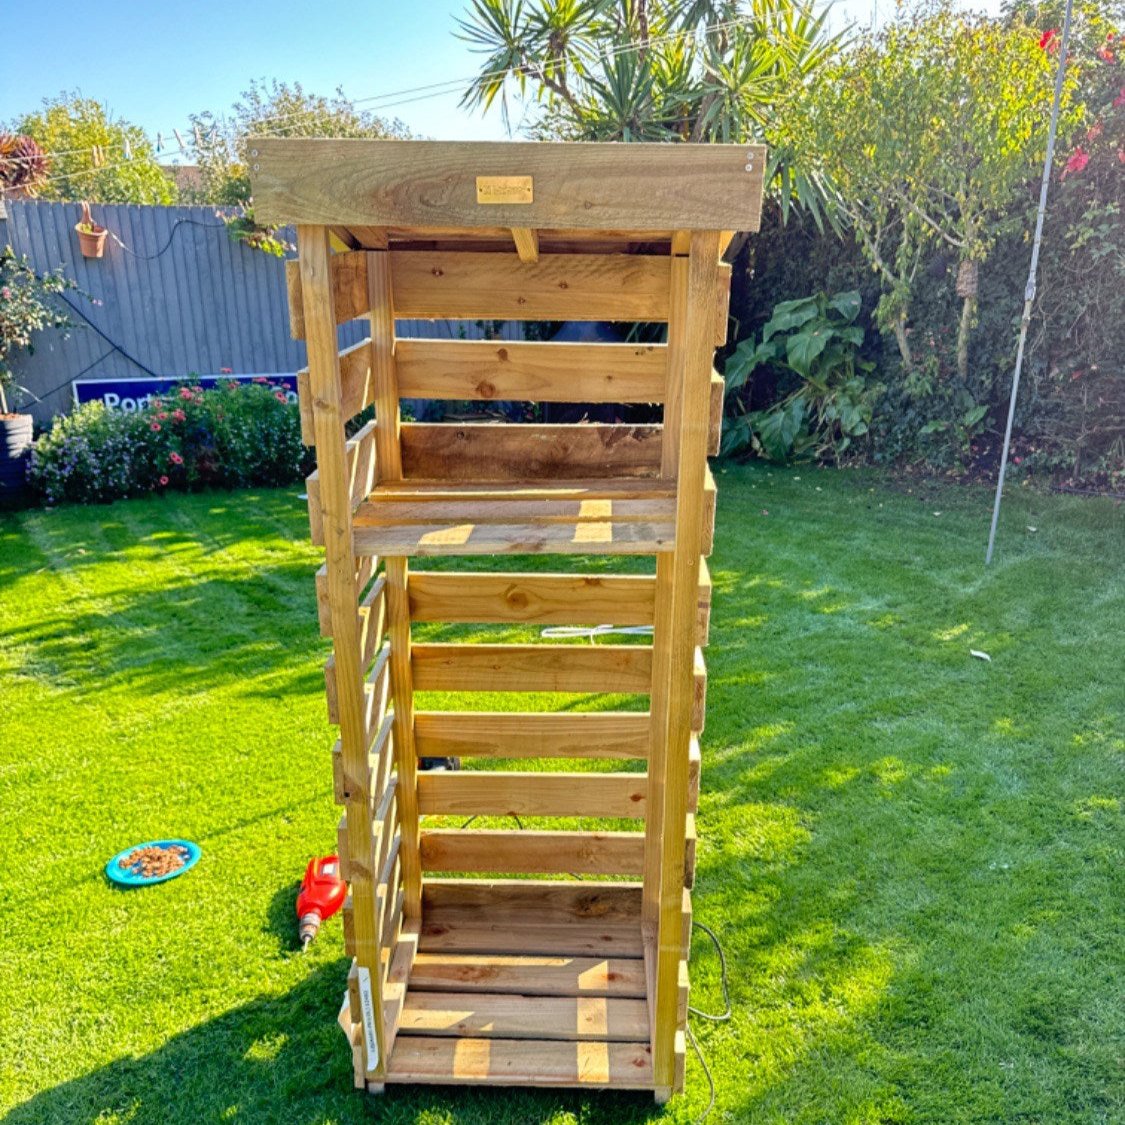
(335, 501)
(691, 351)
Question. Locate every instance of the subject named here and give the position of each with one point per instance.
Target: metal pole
(1029, 291)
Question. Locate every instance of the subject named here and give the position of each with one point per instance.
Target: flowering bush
(231, 436)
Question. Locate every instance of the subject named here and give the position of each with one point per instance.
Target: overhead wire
(392, 99)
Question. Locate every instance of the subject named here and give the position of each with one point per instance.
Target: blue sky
(155, 68)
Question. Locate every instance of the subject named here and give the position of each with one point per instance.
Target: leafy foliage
(814, 342)
(68, 128)
(25, 309)
(233, 436)
(657, 70)
(276, 109)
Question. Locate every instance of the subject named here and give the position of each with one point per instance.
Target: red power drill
(322, 893)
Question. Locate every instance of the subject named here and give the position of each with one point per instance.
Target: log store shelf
(495, 955)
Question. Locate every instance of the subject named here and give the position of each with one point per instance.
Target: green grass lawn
(914, 858)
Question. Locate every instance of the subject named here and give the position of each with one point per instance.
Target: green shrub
(812, 347)
(232, 436)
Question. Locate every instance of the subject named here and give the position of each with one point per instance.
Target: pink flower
(1105, 54)
(1094, 131)
(280, 396)
(226, 370)
(6, 293)
(285, 386)
(1120, 99)
(1078, 160)
(164, 414)
(178, 416)
(175, 458)
(185, 393)
(163, 481)
(1017, 460)
(232, 386)
(155, 427)
(1049, 40)
(1121, 156)
(260, 379)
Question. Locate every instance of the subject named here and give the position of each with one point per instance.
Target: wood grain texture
(357, 389)
(528, 975)
(697, 286)
(348, 279)
(363, 570)
(360, 475)
(320, 316)
(465, 285)
(501, 1016)
(487, 452)
(586, 186)
(540, 599)
(532, 794)
(537, 900)
(488, 370)
(486, 734)
(532, 852)
(536, 667)
(527, 243)
(520, 1062)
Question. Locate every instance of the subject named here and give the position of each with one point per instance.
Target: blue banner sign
(132, 395)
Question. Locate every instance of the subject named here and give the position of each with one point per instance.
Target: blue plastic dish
(126, 877)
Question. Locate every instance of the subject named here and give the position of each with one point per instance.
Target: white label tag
(367, 1005)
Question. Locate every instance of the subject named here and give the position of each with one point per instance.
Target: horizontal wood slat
(348, 273)
(531, 371)
(499, 1016)
(483, 451)
(357, 389)
(372, 629)
(537, 900)
(528, 852)
(486, 734)
(496, 931)
(533, 794)
(520, 1062)
(375, 689)
(538, 667)
(389, 183)
(540, 599)
(715, 430)
(360, 466)
(528, 975)
(365, 567)
(466, 285)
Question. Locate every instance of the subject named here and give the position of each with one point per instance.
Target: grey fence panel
(180, 297)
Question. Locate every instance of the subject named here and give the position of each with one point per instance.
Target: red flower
(1105, 54)
(226, 370)
(185, 393)
(1121, 156)
(164, 414)
(175, 458)
(232, 386)
(155, 427)
(163, 481)
(260, 379)
(280, 396)
(1094, 131)
(1049, 40)
(1120, 99)
(178, 416)
(1078, 160)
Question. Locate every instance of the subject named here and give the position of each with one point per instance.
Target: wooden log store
(479, 957)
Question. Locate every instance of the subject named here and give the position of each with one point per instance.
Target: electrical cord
(713, 1017)
(167, 245)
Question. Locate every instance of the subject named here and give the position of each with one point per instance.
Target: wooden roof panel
(620, 188)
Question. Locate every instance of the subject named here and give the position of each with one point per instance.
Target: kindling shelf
(479, 955)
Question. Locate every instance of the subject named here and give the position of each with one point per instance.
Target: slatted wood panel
(532, 794)
(483, 734)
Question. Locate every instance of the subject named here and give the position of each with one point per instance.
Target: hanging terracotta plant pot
(91, 235)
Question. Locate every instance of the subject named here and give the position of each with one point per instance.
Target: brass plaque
(504, 189)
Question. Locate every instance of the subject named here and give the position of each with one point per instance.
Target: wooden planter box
(479, 957)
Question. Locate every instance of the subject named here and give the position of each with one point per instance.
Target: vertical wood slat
(389, 458)
(319, 321)
(696, 286)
